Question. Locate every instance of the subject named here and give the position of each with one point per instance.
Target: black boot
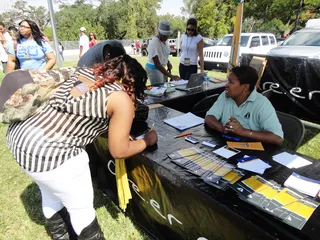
(92, 232)
(59, 226)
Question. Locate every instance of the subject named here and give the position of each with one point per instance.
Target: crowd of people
(50, 145)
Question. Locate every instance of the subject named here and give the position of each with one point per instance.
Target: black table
(184, 101)
(170, 203)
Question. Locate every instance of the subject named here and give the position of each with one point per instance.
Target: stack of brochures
(156, 91)
(291, 160)
(210, 168)
(288, 205)
(184, 121)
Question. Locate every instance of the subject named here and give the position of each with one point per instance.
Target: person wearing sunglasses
(93, 40)
(158, 54)
(191, 47)
(30, 49)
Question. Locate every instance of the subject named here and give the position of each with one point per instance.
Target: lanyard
(188, 46)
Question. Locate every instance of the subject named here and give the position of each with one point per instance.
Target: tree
(21, 10)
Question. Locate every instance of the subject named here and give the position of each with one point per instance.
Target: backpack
(32, 97)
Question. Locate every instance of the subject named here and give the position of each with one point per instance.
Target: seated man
(241, 110)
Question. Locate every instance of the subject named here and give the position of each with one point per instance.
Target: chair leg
(92, 232)
(59, 226)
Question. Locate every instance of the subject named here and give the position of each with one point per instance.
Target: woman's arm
(51, 61)
(200, 50)
(11, 63)
(121, 117)
(162, 69)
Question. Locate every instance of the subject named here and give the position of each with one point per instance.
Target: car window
(227, 40)
(255, 41)
(303, 39)
(265, 40)
(272, 40)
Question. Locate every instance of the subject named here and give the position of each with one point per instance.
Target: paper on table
(257, 166)
(184, 121)
(303, 184)
(226, 152)
(291, 160)
(156, 91)
(179, 82)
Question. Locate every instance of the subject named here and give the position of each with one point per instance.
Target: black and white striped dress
(63, 128)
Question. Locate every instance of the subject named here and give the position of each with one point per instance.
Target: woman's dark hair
(124, 69)
(13, 28)
(193, 22)
(35, 31)
(93, 35)
(246, 75)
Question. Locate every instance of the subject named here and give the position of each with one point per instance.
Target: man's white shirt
(84, 42)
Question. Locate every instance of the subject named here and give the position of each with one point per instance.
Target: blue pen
(230, 137)
(246, 159)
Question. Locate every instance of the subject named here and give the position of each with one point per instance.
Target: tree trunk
(297, 16)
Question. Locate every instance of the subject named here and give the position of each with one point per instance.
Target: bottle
(206, 83)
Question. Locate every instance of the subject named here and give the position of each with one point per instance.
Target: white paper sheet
(226, 152)
(291, 160)
(257, 166)
(179, 82)
(184, 121)
(302, 184)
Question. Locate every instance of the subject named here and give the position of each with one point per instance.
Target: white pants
(69, 185)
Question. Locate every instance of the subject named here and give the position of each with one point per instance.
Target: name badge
(187, 61)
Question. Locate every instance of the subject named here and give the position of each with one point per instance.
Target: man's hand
(234, 126)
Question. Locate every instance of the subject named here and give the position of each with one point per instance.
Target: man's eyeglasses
(190, 29)
(22, 26)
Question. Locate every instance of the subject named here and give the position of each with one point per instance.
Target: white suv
(217, 57)
(302, 43)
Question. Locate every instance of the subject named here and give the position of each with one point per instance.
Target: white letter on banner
(110, 161)
(135, 188)
(272, 86)
(171, 216)
(155, 205)
(311, 93)
(296, 90)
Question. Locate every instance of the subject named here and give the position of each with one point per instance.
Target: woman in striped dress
(49, 146)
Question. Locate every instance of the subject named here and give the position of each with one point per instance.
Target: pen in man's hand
(183, 134)
(152, 127)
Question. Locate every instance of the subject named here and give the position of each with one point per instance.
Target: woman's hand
(175, 77)
(150, 138)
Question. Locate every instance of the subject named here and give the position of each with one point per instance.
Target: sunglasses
(22, 26)
(190, 29)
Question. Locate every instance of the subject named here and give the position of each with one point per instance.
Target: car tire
(144, 53)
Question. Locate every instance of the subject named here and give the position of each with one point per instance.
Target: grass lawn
(20, 201)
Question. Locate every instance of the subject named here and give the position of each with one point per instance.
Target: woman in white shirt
(191, 47)
(158, 53)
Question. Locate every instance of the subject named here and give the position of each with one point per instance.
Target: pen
(183, 134)
(246, 159)
(152, 127)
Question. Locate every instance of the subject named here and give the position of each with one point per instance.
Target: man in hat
(84, 42)
(158, 53)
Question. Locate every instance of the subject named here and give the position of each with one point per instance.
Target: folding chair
(200, 108)
(293, 129)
